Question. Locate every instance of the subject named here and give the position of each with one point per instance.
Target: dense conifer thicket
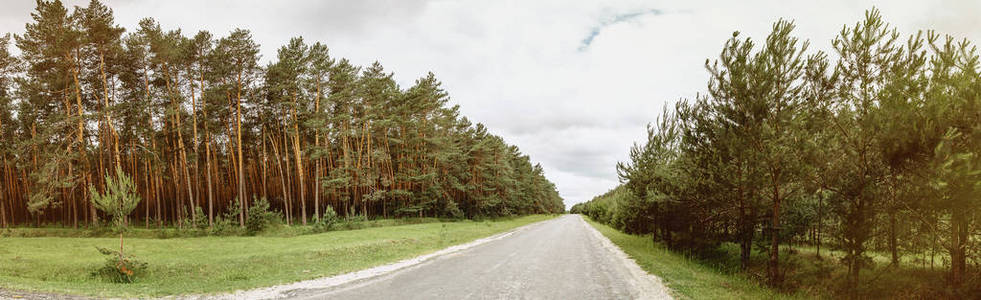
(875, 147)
(198, 122)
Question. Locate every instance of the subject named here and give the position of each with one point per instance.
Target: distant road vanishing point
(564, 258)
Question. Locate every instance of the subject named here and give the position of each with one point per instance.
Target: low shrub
(327, 222)
(196, 226)
(452, 210)
(163, 234)
(442, 234)
(120, 268)
(227, 222)
(259, 217)
(200, 220)
(224, 225)
(355, 221)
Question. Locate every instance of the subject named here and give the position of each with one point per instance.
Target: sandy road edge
(282, 291)
(650, 286)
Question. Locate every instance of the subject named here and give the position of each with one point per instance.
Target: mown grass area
(806, 276)
(687, 278)
(219, 264)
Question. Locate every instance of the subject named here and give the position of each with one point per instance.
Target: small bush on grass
(452, 211)
(196, 226)
(101, 228)
(163, 234)
(442, 234)
(328, 222)
(224, 225)
(120, 268)
(355, 221)
(259, 217)
(200, 220)
(227, 223)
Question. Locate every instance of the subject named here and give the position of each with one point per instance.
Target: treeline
(875, 147)
(198, 123)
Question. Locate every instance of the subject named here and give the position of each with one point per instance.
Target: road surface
(563, 258)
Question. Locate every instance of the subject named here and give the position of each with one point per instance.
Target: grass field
(219, 264)
(152, 231)
(687, 279)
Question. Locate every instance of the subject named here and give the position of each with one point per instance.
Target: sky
(571, 83)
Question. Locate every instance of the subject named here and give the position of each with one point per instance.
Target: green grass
(912, 279)
(139, 231)
(687, 278)
(219, 264)
(805, 275)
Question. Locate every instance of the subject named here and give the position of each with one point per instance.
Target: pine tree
(196, 55)
(954, 93)
(761, 95)
(868, 54)
(49, 49)
(9, 66)
(119, 198)
(237, 57)
(94, 100)
(317, 77)
(285, 79)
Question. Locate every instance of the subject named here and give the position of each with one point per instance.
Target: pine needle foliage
(119, 198)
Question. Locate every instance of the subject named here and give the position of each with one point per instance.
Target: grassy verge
(805, 274)
(219, 264)
(140, 231)
(687, 278)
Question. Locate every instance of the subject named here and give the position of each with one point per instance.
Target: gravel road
(563, 258)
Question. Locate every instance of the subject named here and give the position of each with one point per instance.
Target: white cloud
(520, 66)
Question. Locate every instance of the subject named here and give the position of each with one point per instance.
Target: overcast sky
(572, 83)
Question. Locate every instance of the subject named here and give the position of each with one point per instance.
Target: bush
(259, 217)
(227, 223)
(355, 221)
(451, 210)
(198, 226)
(328, 222)
(224, 225)
(120, 268)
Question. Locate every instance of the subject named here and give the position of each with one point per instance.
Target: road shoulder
(649, 286)
(301, 288)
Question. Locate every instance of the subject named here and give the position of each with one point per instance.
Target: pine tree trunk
(773, 266)
(3, 209)
(892, 239)
(207, 177)
(299, 162)
(238, 129)
(207, 154)
(180, 146)
(81, 125)
(958, 247)
(194, 141)
(263, 162)
(108, 112)
(820, 225)
(147, 193)
(282, 181)
(745, 238)
(316, 162)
